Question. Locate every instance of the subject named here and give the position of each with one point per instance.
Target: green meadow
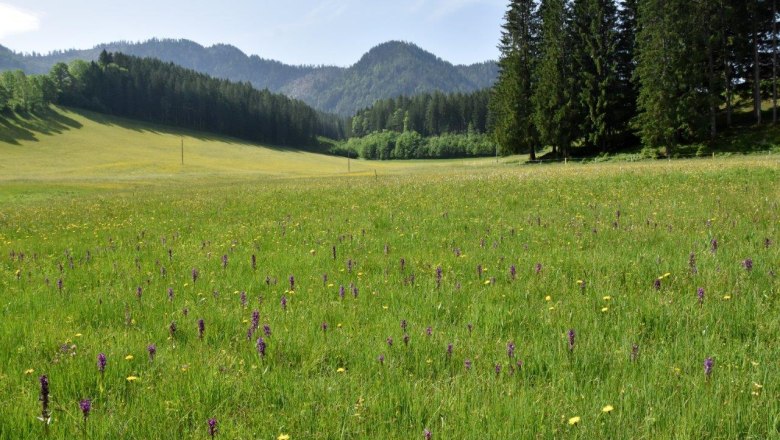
(467, 299)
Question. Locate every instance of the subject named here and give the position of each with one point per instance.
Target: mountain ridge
(385, 71)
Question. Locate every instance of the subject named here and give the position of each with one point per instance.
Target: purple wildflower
(284, 303)
(324, 327)
(254, 262)
(767, 243)
(44, 399)
(349, 265)
(333, 251)
(510, 349)
(255, 319)
(406, 339)
(538, 268)
(242, 298)
(634, 352)
(390, 341)
(195, 274)
(403, 324)
(381, 359)
(438, 276)
(267, 330)
(513, 272)
(201, 328)
(714, 245)
(342, 291)
(429, 331)
(498, 369)
(449, 350)
(172, 329)
(748, 264)
(708, 363)
(700, 295)
(292, 283)
(170, 294)
(261, 347)
(403, 264)
(101, 362)
(224, 261)
(427, 434)
(571, 335)
(212, 427)
(657, 284)
(86, 406)
(324, 279)
(479, 271)
(185, 311)
(467, 364)
(692, 263)
(59, 284)
(152, 349)
(354, 291)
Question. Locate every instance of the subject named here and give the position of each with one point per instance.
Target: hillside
(73, 145)
(386, 71)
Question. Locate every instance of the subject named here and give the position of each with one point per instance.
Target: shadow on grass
(141, 126)
(17, 127)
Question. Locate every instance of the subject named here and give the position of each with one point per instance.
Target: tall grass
(587, 242)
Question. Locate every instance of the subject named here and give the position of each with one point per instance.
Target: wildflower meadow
(496, 301)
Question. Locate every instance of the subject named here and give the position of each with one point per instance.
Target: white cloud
(16, 21)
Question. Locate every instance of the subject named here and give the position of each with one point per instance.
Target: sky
(332, 32)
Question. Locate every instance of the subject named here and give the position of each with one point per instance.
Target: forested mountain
(151, 90)
(388, 70)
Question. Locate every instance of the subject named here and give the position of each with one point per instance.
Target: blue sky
(293, 31)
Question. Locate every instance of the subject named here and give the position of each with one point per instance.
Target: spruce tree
(511, 109)
(552, 96)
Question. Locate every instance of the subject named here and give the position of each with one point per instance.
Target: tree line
(601, 74)
(154, 91)
(429, 114)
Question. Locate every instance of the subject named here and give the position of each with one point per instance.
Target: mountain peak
(387, 70)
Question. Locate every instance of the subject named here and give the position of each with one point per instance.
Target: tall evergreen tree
(595, 29)
(670, 74)
(552, 96)
(511, 109)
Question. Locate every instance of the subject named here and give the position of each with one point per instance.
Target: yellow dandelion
(604, 309)
(726, 297)
(548, 298)
(312, 251)
(129, 357)
(283, 437)
(385, 307)
(29, 371)
(607, 298)
(607, 409)
(338, 325)
(341, 370)
(487, 282)
(579, 282)
(132, 378)
(78, 335)
(574, 420)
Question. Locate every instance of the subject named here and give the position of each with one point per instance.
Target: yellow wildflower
(607, 409)
(574, 420)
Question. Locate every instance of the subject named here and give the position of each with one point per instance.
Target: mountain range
(386, 71)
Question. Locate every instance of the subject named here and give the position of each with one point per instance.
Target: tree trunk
(726, 64)
(712, 97)
(774, 61)
(756, 67)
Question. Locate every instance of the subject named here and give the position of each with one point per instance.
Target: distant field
(469, 299)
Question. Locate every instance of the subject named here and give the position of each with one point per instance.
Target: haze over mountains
(388, 70)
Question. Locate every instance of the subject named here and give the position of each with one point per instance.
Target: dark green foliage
(511, 107)
(596, 62)
(553, 96)
(159, 92)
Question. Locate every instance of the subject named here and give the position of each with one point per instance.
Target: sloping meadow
(600, 301)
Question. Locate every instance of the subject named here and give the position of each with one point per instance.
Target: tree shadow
(28, 126)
